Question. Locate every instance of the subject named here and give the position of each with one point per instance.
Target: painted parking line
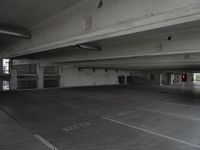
(30, 131)
(152, 132)
(46, 142)
(76, 127)
(169, 114)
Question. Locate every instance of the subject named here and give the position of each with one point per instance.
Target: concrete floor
(101, 118)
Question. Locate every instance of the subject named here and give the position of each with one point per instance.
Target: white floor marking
(169, 114)
(76, 127)
(46, 142)
(152, 132)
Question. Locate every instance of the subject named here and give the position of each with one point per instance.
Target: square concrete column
(1, 66)
(13, 79)
(1, 72)
(40, 74)
(1, 85)
(161, 79)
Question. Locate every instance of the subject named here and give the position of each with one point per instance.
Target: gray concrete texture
(67, 27)
(101, 118)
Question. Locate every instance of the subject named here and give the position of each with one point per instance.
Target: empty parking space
(94, 118)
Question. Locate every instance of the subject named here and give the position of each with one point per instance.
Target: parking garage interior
(100, 75)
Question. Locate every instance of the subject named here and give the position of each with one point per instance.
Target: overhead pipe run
(15, 34)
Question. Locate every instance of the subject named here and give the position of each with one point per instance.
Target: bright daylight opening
(6, 71)
(197, 78)
(6, 66)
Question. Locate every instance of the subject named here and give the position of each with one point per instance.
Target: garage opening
(122, 79)
(6, 85)
(197, 78)
(5, 76)
(6, 66)
(51, 77)
(27, 76)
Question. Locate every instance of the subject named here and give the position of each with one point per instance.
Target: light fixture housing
(88, 47)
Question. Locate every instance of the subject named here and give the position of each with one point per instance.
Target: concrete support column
(161, 79)
(1, 66)
(126, 82)
(94, 76)
(62, 73)
(172, 79)
(1, 72)
(1, 85)
(190, 77)
(40, 73)
(13, 80)
(165, 78)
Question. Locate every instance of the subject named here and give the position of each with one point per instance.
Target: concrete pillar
(161, 79)
(190, 77)
(172, 79)
(126, 82)
(94, 72)
(1, 85)
(1, 72)
(13, 80)
(1, 66)
(40, 73)
(165, 78)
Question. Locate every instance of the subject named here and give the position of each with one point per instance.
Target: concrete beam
(123, 17)
(184, 44)
(40, 79)
(14, 33)
(157, 62)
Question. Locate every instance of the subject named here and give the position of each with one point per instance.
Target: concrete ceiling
(21, 15)
(24, 14)
(37, 11)
(167, 62)
(157, 32)
(131, 37)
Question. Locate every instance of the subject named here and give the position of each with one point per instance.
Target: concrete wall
(171, 78)
(190, 77)
(87, 77)
(165, 78)
(70, 77)
(34, 76)
(145, 77)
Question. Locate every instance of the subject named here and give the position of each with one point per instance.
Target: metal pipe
(15, 34)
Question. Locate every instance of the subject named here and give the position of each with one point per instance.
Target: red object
(184, 77)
